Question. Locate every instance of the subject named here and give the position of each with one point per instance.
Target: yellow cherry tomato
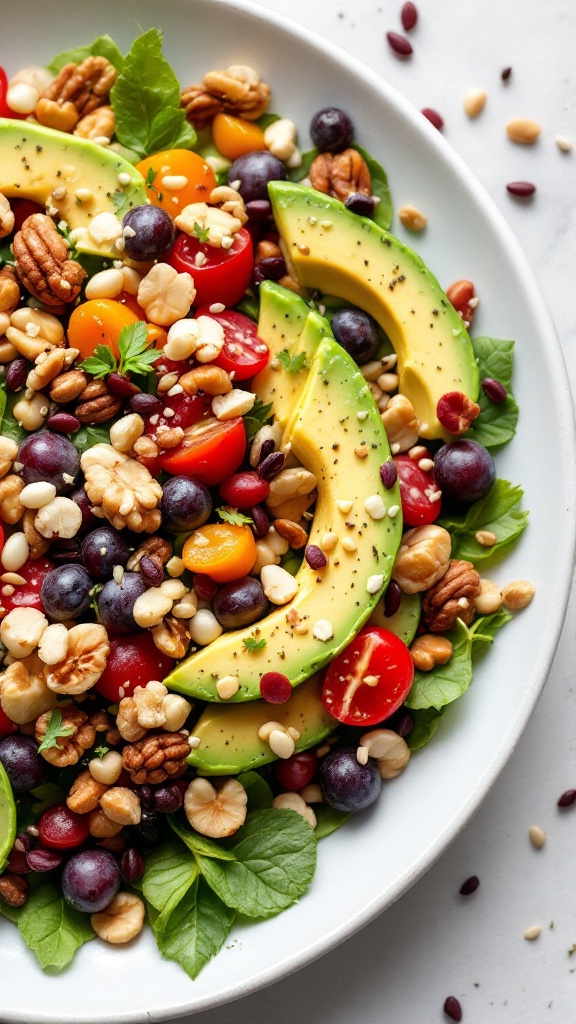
(229, 554)
(176, 177)
(233, 136)
(99, 322)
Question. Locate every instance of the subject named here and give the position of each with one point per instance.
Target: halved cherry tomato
(225, 275)
(234, 136)
(134, 660)
(229, 554)
(420, 507)
(211, 451)
(1, 538)
(99, 322)
(244, 352)
(369, 680)
(27, 595)
(176, 163)
(6, 726)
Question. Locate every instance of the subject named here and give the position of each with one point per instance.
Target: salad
(248, 499)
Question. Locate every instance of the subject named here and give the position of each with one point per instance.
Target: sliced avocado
(339, 252)
(228, 736)
(38, 162)
(335, 416)
(404, 622)
(8, 816)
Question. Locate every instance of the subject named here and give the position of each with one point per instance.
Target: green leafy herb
(252, 644)
(87, 437)
(94, 595)
(196, 929)
(298, 173)
(328, 819)
(103, 46)
(101, 751)
(496, 423)
(293, 364)
(259, 415)
(54, 731)
(146, 100)
(266, 119)
(498, 513)
(233, 516)
(136, 354)
(170, 871)
(258, 790)
(202, 234)
(52, 929)
(446, 683)
(10, 426)
(199, 845)
(151, 176)
(6, 254)
(46, 796)
(120, 201)
(10, 913)
(426, 722)
(383, 211)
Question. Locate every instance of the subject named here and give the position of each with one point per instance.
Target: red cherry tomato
(1, 538)
(185, 409)
(297, 771)
(244, 352)
(417, 490)
(6, 726)
(5, 110)
(225, 275)
(244, 490)
(22, 209)
(369, 679)
(134, 660)
(27, 595)
(62, 829)
(211, 450)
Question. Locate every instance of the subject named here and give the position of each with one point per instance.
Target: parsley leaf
(233, 516)
(202, 234)
(136, 355)
(252, 644)
(259, 415)
(293, 364)
(146, 100)
(101, 363)
(54, 731)
(151, 176)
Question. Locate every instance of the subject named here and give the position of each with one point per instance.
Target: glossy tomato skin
(24, 208)
(6, 726)
(244, 353)
(134, 660)
(27, 595)
(383, 659)
(416, 485)
(211, 451)
(176, 163)
(225, 275)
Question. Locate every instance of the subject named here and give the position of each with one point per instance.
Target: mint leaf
(198, 844)
(103, 46)
(293, 364)
(146, 100)
(383, 210)
(170, 871)
(256, 418)
(233, 516)
(196, 930)
(274, 863)
(258, 791)
(426, 722)
(52, 929)
(329, 819)
(54, 731)
(498, 513)
(252, 644)
(496, 423)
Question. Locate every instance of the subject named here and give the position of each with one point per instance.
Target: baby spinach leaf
(258, 790)
(170, 871)
(298, 173)
(426, 722)
(498, 513)
(103, 46)
(329, 819)
(52, 929)
(197, 928)
(86, 437)
(10, 913)
(274, 862)
(200, 845)
(146, 100)
(266, 119)
(10, 426)
(496, 423)
(383, 211)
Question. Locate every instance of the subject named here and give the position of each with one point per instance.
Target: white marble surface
(434, 943)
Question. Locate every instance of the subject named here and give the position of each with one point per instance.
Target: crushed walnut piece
(76, 91)
(452, 597)
(42, 262)
(237, 90)
(69, 748)
(122, 488)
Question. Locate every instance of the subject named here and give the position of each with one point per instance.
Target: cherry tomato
(134, 660)
(99, 322)
(186, 410)
(233, 136)
(417, 488)
(211, 450)
(27, 595)
(6, 726)
(176, 163)
(62, 829)
(5, 110)
(369, 680)
(225, 275)
(244, 352)
(244, 490)
(24, 208)
(229, 554)
(297, 771)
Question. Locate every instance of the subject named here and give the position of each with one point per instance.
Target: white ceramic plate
(375, 858)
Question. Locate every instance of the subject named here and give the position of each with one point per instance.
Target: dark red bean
(567, 799)
(494, 390)
(453, 1009)
(151, 572)
(275, 688)
(392, 599)
(16, 374)
(408, 16)
(434, 117)
(358, 203)
(258, 210)
(120, 386)
(399, 44)
(132, 865)
(260, 520)
(63, 423)
(315, 557)
(44, 860)
(388, 473)
(271, 465)
(62, 552)
(469, 886)
(405, 725)
(521, 189)
(272, 268)
(505, 74)
(204, 587)
(146, 405)
(266, 449)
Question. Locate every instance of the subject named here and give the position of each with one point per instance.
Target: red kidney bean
(453, 1009)
(494, 390)
(388, 473)
(469, 886)
(399, 44)
(132, 865)
(505, 74)
(260, 520)
(567, 799)
(145, 405)
(405, 725)
(120, 386)
(392, 599)
(63, 423)
(271, 465)
(408, 16)
(266, 449)
(434, 117)
(363, 205)
(315, 557)
(521, 189)
(204, 587)
(259, 210)
(151, 573)
(16, 374)
(44, 860)
(272, 268)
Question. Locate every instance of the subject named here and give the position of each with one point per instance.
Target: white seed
(323, 630)
(12, 578)
(279, 585)
(349, 544)
(564, 144)
(268, 727)
(362, 755)
(312, 793)
(227, 687)
(37, 494)
(388, 381)
(474, 102)
(375, 506)
(276, 543)
(344, 507)
(537, 836)
(329, 541)
(176, 710)
(486, 538)
(15, 552)
(489, 599)
(124, 178)
(174, 182)
(532, 932)
(175, 567)
(118, 574)
(204, 628)
(125, 432)
(375, 583)
(174, 589)
(281, 744)
(107, 769)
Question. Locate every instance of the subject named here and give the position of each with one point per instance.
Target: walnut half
(85, 660)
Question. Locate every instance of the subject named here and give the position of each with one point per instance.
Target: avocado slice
(8, 817)
(404, 622)
(343, 254)
(36, 162)
(228, 736)
(335, 415)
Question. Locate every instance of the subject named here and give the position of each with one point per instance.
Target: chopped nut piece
(61, 518)
(279, 585)
(53, 646)
(401, 423)
(24, 694)
(84, 662)
(237, 90)
(6, 221)
(291, 532)
(165, 295)
(123, 488)
(452, 597)
(122, 920)
(77, 90)
(155, 758)
(518, 594)
(121, 805)
(422, 559)
(11, 511)
(151, 607)
(127, 721)
(9, 284)
(295, 802)
(149, 704)
(101, 826)
(70, 748)
(21, 631)
(485, 538)
(107, 769)
(428, 651)
(412, 218)
(234, 403)
(98, 125)
(85, 793)
(219, 224)
(215, 812)
(171, 636)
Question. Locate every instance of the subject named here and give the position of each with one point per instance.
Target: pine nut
(474, 102)
(281, 744)
(537, 836)
(523, 131)
(227, 687)
(412, 218)
(37, 494)
(15, 552)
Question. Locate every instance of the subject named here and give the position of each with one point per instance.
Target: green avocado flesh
(338, 252)
(8, 817)
(404, 622)
(228, 736)
(37, 162)
(335, 414)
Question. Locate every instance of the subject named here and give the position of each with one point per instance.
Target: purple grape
(102, 549)
(89, 520)
(147, 828)
(66, 592)
(240, 603)
(168, 798)
(363, 205)
(24, 766)
(91, 880)
(154, 232)
(254, 171)
(185, 505)
(357, 333)
(49, 457)
(346, 784)
(464, 470)
(331, 130)
(117, 600)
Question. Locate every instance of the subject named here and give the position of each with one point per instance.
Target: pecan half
(201, 108)
(42, 262)
(76, 91)
(452, 597)
(96, 404)
(341, 174)
(156, 758)
(9, 290)
(97, 125)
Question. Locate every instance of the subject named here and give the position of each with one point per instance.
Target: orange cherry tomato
(229, 554)
(233, 136)
(176, 163)
(156, 333)
(99, 322)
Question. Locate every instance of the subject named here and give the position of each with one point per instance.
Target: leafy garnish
(146, 100)
(196, 929)
(259, 793)
(202, 234)
(54, 731)
(328, 819)
(252, 644)
(52, 929)
(120, 201)
(101, 751)
(496, 423)
(233, 516)
(87, 437)
(10, 425)
(293, 364)
(426, 722)
(136, 354)
(498, 513)
(103, 46)
(259, 415)
(170, 871)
